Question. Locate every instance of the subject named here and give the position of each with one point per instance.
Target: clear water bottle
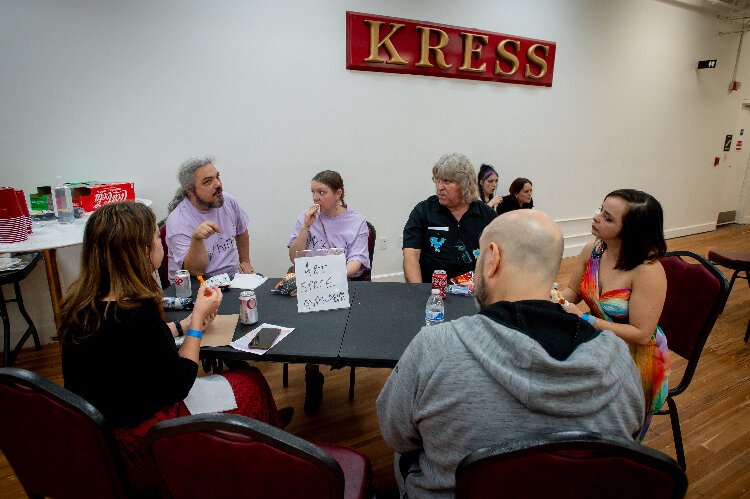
(434, 311)
(63, 202)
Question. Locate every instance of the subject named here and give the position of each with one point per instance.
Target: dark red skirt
(254, 400)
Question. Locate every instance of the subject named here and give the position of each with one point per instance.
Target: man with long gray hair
(443, 231)
(206, 227)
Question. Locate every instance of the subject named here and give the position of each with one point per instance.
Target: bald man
(521, 366)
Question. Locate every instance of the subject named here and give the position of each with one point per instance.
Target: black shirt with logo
(446, 243)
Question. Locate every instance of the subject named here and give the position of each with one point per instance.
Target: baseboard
(689, 230)
(392, 277)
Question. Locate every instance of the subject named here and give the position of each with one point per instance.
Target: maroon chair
(226, 455)
(739, 261)
(57, 443)
(164, 267)
(569, 464)
(696, 294)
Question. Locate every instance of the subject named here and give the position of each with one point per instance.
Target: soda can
(182, 284)
(172, 303)
(248, 307)
(440, 281)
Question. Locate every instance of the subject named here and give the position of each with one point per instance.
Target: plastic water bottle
(434, 311)
(63, 202)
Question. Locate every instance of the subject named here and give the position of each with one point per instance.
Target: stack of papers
(247, 281)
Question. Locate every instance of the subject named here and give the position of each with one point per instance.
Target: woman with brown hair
(117, 351)
(619, 277)
(520, 196)
(329, 223)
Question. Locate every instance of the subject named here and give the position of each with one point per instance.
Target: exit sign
(707, 64)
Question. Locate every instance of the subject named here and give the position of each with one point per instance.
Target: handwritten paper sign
(321, 283)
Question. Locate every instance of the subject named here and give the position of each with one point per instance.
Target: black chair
(239, 454)
(164, 267)
(366, 276)
(57, 443)
(739, 261)
(14, 277)
(696, 294)
(569, 464)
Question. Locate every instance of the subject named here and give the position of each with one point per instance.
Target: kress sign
(377, 43)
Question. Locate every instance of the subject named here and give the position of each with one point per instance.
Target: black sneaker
(313, 391)
(285, 416)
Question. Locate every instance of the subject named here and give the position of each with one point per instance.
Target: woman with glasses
(327, 224)
(519, 198)
(620, 278)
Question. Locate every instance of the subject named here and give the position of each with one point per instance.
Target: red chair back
(238, 453)
(56, 442)
(696, 293)
(569, 464)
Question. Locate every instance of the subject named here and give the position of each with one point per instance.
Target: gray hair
(457, 167)
(186, 177)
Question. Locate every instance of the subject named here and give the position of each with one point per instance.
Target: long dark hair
(114, 262)
(485, 172)
(642, 233)
(332, 180)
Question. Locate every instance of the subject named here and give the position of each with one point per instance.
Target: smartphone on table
(265, 338)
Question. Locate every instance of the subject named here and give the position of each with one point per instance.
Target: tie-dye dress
(653, 359)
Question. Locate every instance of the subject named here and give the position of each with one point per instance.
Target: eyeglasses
(443, 181)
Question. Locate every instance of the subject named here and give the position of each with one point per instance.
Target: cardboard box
(91, 195)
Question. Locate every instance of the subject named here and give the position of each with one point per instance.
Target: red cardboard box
(92, 195)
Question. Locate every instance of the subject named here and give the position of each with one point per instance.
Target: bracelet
(194, 333)
(178, 327)
(590, 319)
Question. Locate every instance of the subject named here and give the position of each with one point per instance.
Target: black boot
(313, 389)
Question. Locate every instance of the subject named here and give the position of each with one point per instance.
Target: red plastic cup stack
(24, 209)
(14, 224)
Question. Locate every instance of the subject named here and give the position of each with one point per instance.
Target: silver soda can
(182, 284)
(248, 307)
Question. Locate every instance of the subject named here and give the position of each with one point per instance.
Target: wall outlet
(400, 242)
(382, 243)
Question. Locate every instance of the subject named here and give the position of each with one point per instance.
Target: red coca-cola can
(440, 281)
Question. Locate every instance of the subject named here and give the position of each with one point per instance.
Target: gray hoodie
(513, 370)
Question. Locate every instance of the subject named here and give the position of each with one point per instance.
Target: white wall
(127, 90)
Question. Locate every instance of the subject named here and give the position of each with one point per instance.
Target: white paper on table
(247, 281)
(210, 394)
(244, 342)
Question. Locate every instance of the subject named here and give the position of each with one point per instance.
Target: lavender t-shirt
(348, 231)
(221, 246)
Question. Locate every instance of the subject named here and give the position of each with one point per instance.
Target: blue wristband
(589, 318)
(194, 333)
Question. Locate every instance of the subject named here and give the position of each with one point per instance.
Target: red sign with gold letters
(389, 44)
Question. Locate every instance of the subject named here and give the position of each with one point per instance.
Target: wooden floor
(715, 411)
